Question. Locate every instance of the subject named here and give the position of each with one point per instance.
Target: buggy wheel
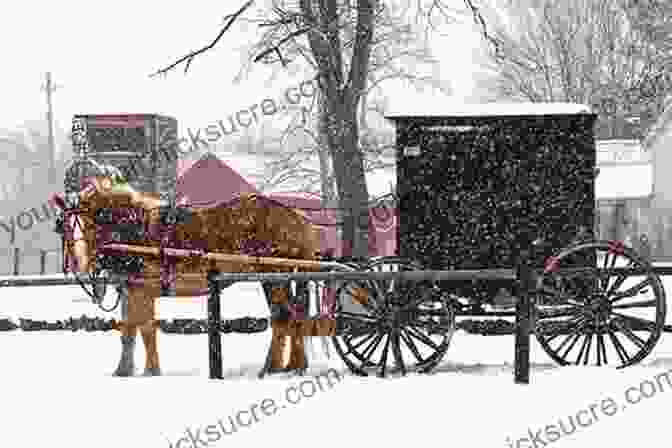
(404, 326)
(596, 318)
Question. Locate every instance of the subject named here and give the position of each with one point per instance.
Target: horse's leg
(126, 365)
(149, 336)
(141, 313)
(275, 356)
(297, 357)
(267, 363)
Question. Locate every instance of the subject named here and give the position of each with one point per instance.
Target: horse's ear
(88, 182)
(88, 190)
(246, 199)
(100, 183)
(58, 199)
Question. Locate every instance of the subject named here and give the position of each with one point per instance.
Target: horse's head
(78, 219)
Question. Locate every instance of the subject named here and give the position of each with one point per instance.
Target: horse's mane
(266, 200)
(121, 195)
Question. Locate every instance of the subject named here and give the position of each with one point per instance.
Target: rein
(94, 277)
(73, 208)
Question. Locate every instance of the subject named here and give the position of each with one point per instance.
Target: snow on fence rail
(43, 280)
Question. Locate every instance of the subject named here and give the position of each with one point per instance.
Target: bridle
(73, 231)
(71, 227)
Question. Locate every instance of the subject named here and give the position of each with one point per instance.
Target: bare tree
(398, 52)
(25, 154)
(568, 50)
(298, 156)
(342, 65)
(651, 38)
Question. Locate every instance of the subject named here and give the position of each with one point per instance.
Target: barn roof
(425, 109)
(210, 181)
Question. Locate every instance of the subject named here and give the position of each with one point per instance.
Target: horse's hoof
(153, 371)
(275, 370)
(123, 373)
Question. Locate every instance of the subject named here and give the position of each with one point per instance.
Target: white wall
(661, 153)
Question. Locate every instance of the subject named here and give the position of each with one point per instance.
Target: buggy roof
(422, 109)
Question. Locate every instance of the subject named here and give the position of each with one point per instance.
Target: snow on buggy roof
(422, 109)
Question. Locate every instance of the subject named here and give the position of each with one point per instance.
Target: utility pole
(49, 88)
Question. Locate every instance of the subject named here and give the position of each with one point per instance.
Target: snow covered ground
(57, 391)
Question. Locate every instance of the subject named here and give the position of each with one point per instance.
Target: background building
(657, 145)
(634, 188)
(623, 190)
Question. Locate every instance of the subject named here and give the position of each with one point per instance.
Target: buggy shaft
(434, 275)
(245, 259)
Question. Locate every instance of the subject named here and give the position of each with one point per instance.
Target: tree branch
(276, 48)
(189, 58)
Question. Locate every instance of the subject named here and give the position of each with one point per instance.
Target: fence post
(214, 325)
(43, 261)
(660, 243)
(523, 319)
(17, 260)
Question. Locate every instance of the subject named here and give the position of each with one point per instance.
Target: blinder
(119, 225)
(71, 205)
(67, 224)
(170, 216)
(120, 263)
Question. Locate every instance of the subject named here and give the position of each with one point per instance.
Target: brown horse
(231, 228)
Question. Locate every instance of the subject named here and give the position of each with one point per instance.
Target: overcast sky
(101, 53)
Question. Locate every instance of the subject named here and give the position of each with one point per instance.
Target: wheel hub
(599, 307)
(394, 316)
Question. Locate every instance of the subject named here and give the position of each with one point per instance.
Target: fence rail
(523, 276)
(14, 258)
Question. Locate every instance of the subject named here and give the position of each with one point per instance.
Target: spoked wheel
(593, 318)
(392, 326)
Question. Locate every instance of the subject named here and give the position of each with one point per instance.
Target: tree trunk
(350, 180)
(341, 95)
(326, 171)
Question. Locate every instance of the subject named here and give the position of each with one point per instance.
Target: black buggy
(483, 191)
